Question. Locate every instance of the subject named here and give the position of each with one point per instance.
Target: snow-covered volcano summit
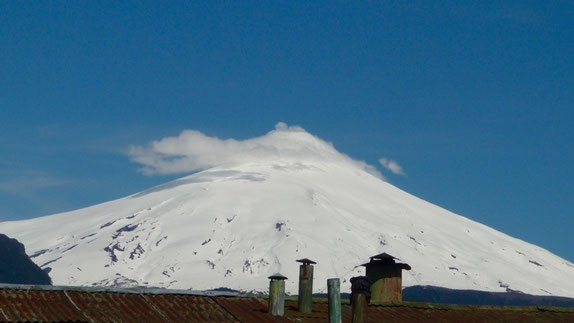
(281, 197)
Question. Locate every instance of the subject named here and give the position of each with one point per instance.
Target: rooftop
(47, 303)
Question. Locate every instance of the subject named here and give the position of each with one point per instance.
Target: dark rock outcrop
(16, 267)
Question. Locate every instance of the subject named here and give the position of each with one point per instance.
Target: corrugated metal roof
(319, 312)
(421, 312)
(248, 309)
(114, 307)
(31, 304)
(134, 290)
(22, 305)
(184, 308)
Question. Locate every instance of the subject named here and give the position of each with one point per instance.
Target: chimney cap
(306, 261)
(384, 256)
(277, 276)
(385, 259)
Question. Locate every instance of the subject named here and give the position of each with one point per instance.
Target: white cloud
(192, 151)
(392, 166)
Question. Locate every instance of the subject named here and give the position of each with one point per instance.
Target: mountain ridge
(284, 218)
(233, 224)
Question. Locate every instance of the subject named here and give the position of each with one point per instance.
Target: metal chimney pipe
(334, 294)
(305, 297)
(277, 294)
(360, 296)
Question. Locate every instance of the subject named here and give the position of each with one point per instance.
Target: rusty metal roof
(74, 304)
(248, 309)
(114, 307)
(184, 308)
(23, 305)
(319, 311)
(423, 312)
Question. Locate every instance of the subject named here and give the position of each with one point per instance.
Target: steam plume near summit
(193, 151)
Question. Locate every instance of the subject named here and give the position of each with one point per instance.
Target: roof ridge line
(137, 290)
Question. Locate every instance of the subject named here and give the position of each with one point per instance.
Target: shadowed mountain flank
(16, 267)
(434, 294)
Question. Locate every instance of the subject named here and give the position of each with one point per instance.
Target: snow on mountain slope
(234, 224)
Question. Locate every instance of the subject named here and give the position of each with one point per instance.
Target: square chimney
(386, 277)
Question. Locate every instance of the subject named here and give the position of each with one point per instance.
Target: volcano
(292, 196)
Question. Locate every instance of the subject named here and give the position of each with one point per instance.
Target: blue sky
(473, 99)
